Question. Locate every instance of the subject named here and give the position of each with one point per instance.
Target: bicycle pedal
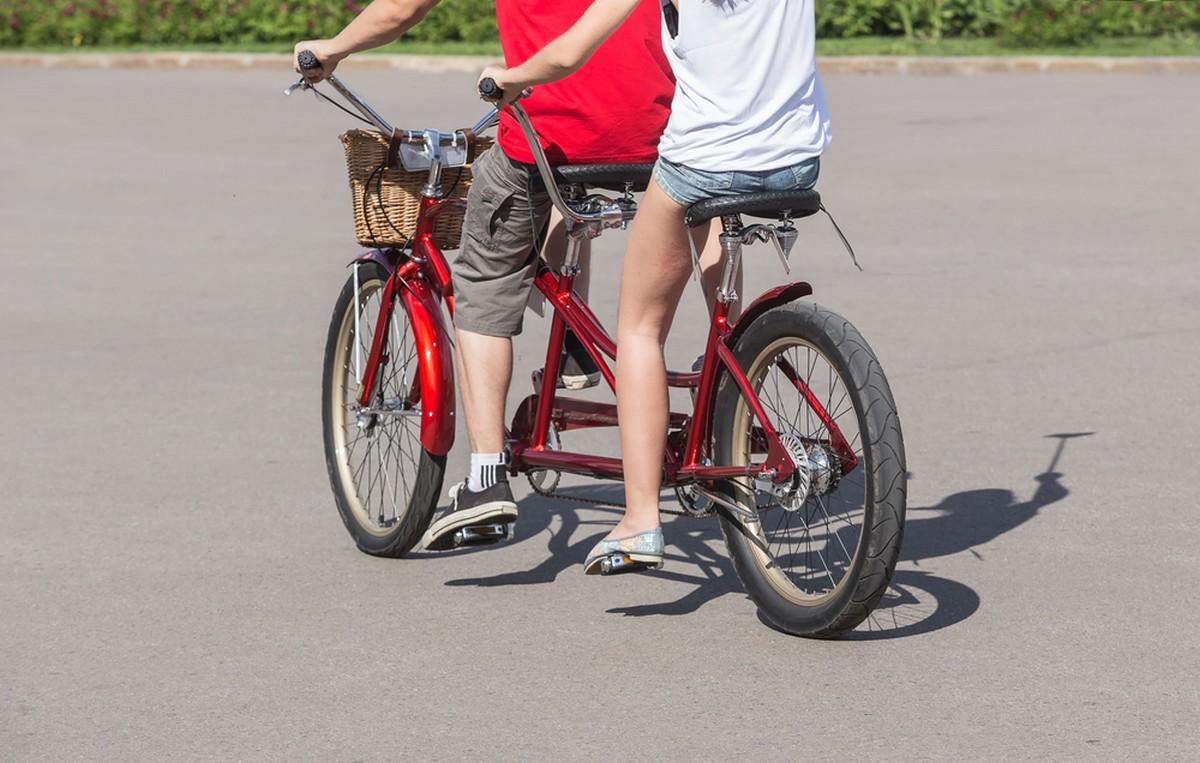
(618, 564)
(482, 535)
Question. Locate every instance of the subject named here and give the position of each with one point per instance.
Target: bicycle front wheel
(821, 549)
(384, 482)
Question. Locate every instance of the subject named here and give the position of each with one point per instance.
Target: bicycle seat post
(577, 232)
(570, 266)
(731, 248)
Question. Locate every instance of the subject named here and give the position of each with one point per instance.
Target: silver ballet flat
(629, 554)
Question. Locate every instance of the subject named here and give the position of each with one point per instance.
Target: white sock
(486, 470)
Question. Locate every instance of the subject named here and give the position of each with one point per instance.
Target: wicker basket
(387, 201)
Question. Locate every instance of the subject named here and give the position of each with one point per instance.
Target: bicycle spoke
(381, 457)
(813, 538)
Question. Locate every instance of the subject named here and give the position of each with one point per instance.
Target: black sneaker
(578, 370)
(482, 517)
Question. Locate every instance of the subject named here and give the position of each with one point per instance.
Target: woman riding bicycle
(748, 115)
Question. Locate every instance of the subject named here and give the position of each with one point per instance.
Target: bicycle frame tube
(717, 355)
(781, 295)
(425, 248)
(532, 427)
(562, 294)
(580, 318)
(836, 438)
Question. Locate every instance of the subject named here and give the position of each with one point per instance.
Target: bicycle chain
(599, 502)
(594, 502)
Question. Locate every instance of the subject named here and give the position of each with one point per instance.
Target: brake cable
(329, 100)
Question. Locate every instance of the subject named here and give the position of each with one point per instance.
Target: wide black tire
(880, 487)
(421, 480)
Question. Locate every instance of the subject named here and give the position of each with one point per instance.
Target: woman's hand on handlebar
(511, 89)
(323, 50)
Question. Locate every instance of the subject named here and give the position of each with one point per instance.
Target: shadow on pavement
(916, 601)
(919, 602)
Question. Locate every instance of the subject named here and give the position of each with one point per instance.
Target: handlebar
(489, 90)
(307, 61)
(611, 214)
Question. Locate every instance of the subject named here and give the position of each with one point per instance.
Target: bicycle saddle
(613, 177)
(794, 204)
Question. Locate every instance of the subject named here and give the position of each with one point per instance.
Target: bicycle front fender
(780, 295)
(388, 258)
(435, 360)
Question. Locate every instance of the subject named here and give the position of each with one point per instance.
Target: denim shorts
(688, 186)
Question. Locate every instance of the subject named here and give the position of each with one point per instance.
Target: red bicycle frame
(420, 280)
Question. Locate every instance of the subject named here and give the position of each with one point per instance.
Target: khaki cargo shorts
(498, 260)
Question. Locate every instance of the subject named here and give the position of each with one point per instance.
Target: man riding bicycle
(612, 111)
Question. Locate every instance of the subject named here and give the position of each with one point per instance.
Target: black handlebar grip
(307, 61)
(489, 90)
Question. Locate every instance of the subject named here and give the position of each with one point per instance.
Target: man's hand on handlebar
(327, 58)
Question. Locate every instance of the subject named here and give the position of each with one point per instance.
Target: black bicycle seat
(793, 204)
(613, 177)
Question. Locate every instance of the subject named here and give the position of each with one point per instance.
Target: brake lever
(301, 84)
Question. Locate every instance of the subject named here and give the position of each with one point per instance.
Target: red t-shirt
(613, 109)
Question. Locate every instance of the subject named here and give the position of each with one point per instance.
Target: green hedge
(125, 22)
(1020, 22)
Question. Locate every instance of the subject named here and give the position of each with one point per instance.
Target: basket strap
(393, 152)
(469, 136)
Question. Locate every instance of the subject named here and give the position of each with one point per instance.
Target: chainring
(694, 504)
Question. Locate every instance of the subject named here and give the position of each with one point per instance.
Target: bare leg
(485, 362)
(484, 372)
(656, 269)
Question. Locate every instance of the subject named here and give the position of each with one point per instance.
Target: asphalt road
(175, 583)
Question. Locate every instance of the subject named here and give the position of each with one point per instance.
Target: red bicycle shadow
(917, 601)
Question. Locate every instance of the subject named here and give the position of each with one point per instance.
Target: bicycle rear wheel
(820, 552)
(385, 484)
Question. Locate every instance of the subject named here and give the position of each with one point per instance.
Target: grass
(1181, 45)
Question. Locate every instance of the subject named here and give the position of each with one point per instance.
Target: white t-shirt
(747, 96)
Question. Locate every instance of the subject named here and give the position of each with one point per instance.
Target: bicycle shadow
(919, 602)
(916, 601)
(692, 542)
